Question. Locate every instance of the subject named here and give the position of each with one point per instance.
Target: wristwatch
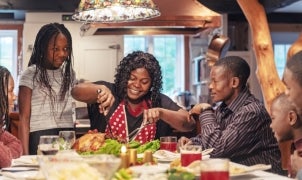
(205, 108)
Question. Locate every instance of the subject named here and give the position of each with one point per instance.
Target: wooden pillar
(269, 80)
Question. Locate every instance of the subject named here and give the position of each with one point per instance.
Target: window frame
(179, 72)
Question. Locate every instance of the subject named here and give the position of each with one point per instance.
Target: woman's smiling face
(138, 84)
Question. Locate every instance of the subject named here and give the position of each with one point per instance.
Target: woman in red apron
(133, 101)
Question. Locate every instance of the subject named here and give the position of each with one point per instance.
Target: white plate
(26, 161)
(245, 170)
(149, 169)
(25, 175)
(165, 156)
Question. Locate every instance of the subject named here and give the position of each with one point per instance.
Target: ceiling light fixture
(115, 11)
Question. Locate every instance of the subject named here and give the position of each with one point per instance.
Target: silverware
(103, 108)
(18, 169)
(133, 134)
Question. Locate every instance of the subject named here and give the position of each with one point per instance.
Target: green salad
(112, 146)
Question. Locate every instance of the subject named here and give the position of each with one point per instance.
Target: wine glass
(66, 139)
(49, 144)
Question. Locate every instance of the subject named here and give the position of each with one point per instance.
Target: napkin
(28, 161)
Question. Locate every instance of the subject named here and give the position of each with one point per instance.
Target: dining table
(29, 171)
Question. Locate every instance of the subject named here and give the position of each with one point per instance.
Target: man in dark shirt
(239, 128)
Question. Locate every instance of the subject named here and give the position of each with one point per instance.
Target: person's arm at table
(196, 110)
(238, 134)
(10, 148)
(176, 119)
(171, 113)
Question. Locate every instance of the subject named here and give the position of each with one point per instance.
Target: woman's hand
(105, 99)
(152, 115)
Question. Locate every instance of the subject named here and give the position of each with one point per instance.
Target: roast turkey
(91, 141)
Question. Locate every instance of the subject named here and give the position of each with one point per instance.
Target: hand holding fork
(105, 99)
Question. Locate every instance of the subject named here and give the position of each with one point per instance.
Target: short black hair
(283, 101)
(294, 64)
(237, 66)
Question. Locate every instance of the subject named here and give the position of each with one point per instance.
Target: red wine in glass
(49, 144)
(169, 146)
(187, 158)
(49, 151)
(168, 143)
(214, 175)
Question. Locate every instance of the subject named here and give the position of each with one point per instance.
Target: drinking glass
(49, 144)
(214, 169)
(168, 143)
(66, 139)
(190, 153)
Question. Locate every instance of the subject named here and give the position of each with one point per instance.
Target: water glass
(168, 143)
(214, 169)
(49, 144)
(67, 139)
(189, 154)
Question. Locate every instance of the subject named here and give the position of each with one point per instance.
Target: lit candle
(124, 157)
(133, 156)
(148, 158)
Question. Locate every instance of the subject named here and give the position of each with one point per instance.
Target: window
(281, 43)
(8, 50)
(169, 51)
(280, 54)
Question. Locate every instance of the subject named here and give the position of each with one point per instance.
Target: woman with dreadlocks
(45, 103)
(134, 100)
(10, 146)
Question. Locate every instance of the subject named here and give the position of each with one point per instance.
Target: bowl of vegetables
(92, 167)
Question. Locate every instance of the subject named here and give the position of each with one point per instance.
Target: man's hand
(183, 140)
(197, 110)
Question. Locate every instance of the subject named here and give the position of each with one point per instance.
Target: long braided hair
(39, 58)
(132, 61)
(4, 78)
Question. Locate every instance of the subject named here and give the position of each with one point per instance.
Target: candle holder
(132, 157)
(124, 157)
(148, 157)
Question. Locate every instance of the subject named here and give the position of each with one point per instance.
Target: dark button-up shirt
(241, 132)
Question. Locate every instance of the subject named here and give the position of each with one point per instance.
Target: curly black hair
(134, 60)
(4, 78)
(39, 55)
